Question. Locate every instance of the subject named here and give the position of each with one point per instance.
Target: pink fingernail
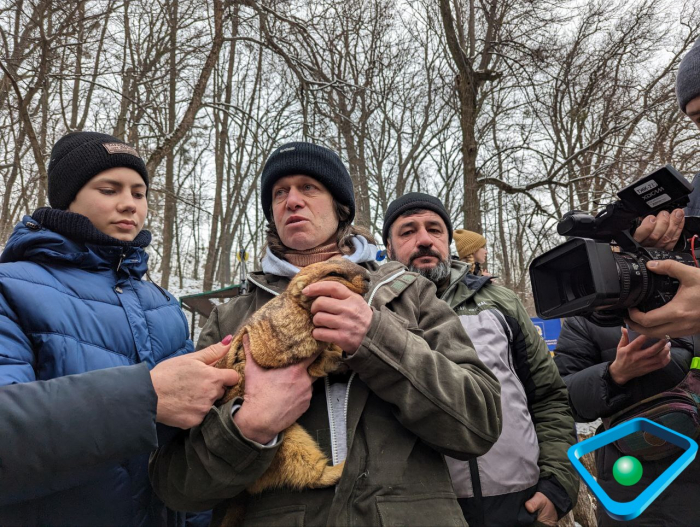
(227, 340)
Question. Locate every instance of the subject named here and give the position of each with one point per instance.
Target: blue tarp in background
(549, 330)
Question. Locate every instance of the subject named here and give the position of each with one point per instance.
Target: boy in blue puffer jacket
(83, 346)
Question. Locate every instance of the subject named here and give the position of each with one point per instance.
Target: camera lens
(580, 286)
(584, 277)
(634, 279)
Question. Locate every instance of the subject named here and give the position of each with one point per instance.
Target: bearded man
(526, 476)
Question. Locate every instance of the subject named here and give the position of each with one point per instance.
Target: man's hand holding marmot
(340, 316)
(274, 398)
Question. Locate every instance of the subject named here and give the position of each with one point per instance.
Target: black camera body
(585, 276)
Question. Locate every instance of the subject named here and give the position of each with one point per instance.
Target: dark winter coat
(583, 355)
(418, 390)
(78, 318)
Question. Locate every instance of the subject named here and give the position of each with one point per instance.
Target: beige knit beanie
(468, 242)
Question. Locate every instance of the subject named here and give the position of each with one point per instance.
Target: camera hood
(579, 275)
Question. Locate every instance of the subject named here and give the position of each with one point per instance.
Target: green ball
(627, 471)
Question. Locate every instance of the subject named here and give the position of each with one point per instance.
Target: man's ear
(388, 249)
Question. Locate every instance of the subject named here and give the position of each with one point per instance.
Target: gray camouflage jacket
(538, 427)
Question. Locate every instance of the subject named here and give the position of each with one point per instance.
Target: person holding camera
(681, 316)
(607, 370)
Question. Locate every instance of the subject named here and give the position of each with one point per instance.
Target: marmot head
(339, 270)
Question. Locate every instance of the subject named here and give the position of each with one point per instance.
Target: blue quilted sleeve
(16, 354)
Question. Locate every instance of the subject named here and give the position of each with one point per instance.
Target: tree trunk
(170, 208)
(6, 213)
(120, 127)
(75, 103)
(466, 93)
(356, 165)
(222, 138)
(468, 83)
(198, 91)
(508, 280)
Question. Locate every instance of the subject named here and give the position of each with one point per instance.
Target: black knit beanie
(311, 160)
(688, 77)
(79, 156)
(414, 200)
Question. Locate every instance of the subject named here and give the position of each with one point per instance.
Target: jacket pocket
(417, 510)
(290, 516)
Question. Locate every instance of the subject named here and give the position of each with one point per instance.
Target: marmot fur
(280, 335)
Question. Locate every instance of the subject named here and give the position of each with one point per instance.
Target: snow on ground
(587, 428)
(190, 286)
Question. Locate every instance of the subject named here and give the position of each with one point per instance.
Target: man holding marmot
(414, 390)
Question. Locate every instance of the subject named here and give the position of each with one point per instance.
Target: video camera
(584, 276)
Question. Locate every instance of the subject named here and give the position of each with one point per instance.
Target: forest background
(511, 111)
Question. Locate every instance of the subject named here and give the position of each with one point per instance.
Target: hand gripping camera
(585, 276)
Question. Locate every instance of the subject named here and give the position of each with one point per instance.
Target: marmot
(280, 335)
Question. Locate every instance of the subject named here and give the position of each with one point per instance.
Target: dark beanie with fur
(414, 200)
(79, 156)
(307, 159)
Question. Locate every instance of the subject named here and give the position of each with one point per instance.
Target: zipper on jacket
(331, 421)
(329, 404)
(159, 287)
(347, 397)
(162, 291)
(121, 259)
(509, 336)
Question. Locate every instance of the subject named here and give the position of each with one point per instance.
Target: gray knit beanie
(688, 78)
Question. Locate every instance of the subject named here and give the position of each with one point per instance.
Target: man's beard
(435, 274)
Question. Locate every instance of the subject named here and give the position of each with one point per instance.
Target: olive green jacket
(532, 390)
(417, 391)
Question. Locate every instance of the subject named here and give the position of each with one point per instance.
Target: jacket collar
(275, 284)
(364, 252)
(459, 273)
(30, 241)
(269, 282)
(80, 229)
(458, 270)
